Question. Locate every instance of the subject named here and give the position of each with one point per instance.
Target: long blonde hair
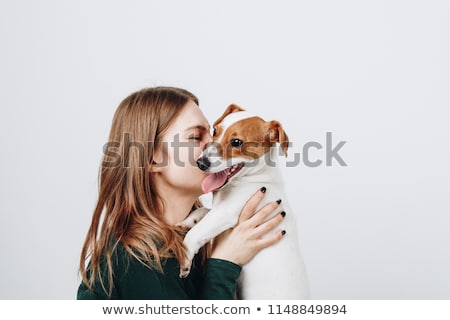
(129, 209)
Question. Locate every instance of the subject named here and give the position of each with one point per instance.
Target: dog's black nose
(203, 163)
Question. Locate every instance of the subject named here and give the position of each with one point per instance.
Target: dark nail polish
(283, 232)
(279, 201)
(263, 189)
(283, 214)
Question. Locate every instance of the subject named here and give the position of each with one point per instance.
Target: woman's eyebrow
(201, 127)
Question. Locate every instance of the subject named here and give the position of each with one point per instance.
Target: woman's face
(183, 144)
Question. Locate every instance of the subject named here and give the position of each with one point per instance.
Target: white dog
(242, 159)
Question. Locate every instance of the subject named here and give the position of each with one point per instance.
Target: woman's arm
(220, 280)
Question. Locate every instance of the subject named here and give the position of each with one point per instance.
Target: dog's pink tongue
(214, 181)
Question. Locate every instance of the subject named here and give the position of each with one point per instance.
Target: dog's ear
(230, 109)
(276, 133)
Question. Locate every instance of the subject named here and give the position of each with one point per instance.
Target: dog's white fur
(277, 272)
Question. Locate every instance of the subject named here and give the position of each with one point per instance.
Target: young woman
(149, 182)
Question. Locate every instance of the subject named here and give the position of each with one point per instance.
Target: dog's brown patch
(257, 136)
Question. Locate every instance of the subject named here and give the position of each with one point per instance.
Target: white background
(374, 73)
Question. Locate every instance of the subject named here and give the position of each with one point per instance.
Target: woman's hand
(241, 243)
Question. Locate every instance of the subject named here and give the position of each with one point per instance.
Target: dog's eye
(236, 143)
(214, 132)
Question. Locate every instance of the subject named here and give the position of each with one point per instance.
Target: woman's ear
(154, 167)
(157, 163)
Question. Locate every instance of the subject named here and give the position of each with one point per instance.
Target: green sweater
(134, 281)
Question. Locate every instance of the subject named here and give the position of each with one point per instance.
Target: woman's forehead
(190, 118)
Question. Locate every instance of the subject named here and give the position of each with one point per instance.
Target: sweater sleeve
(220, 282)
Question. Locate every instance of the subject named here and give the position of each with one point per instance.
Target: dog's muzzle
(203, 163)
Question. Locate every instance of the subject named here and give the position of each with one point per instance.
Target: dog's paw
(187, 224)
(185, 268)
(192, 219)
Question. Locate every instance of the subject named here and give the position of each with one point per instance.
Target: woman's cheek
(189, 156)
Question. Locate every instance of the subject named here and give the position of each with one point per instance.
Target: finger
(268, 226)
(271, 240)
(262, 214)
(250, 206)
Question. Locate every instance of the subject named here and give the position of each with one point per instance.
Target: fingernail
(263, 189)
(283, 214)
(283, 232)
(279, 201)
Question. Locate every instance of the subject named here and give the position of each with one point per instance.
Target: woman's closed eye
(195, 137)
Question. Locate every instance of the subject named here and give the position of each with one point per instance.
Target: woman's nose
(208, 139)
